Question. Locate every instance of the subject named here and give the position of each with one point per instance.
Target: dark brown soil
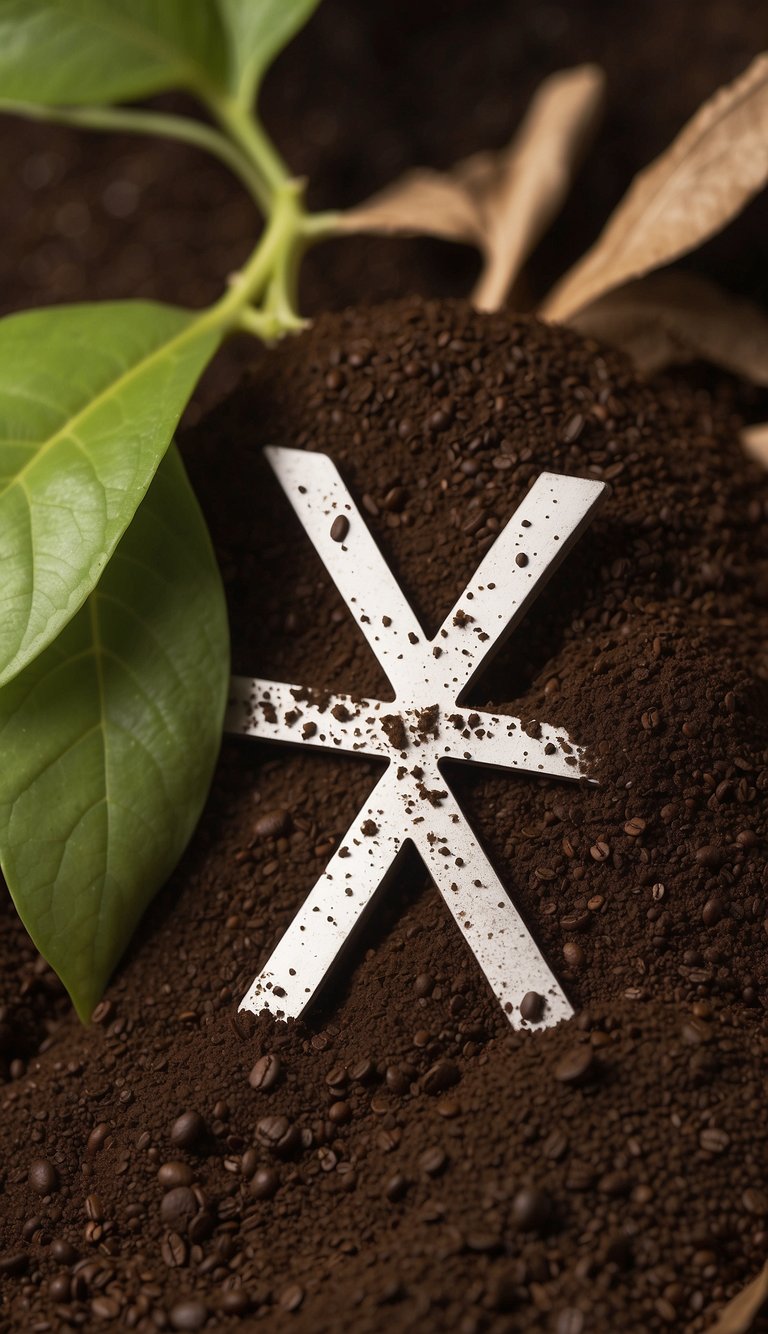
(402, 1160)
(646, 1186)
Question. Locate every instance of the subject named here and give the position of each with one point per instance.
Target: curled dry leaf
(709, 173)
(738, 1316)
(502, 202)
(755, 441)
(670, 318)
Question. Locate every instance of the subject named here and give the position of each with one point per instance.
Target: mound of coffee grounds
(401, 1158)
(648, 645)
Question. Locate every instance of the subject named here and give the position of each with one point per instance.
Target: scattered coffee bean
(62, 1251)
(175, 1174)
(433, 1161)
(271, 824)
(188, 1315)
(189, 1131)
(59, 1288)
(290, 1298)
(531, 1209)
(532, 1007)
(575, 1066)
(574, 954)
(441, 1076)
(43, 1177)
(265, 1183)
(339, 528)
(712, 912)
(266, 1073)
(755, 1202)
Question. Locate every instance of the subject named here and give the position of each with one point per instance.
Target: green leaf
(69, 52)
(109, 741)
(89, 399)
(258, 30)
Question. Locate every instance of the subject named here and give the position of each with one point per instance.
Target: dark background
(367, 90)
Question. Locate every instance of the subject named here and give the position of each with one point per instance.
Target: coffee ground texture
(401, 1158)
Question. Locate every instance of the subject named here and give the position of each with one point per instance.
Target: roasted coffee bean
(43, 1177)
(291, 1298)
(174, 1250)
(97, 1137)
(433, 1161)
(62, 1251)
(714, 1140)
(59, 1288)
(441, 1076)
(575, 1066)
(532, 1007)
(278, 1134)
(339, 528)
(712, 912)
(188, 1315)
(396, 1080)
(189, 1131)
(271, 824)
(266, 1073)
(265, 1183)
(531, 1209)
(175, 1174)
(105, 1308)
(755, 1201)
(573, 954)
(396, 1187)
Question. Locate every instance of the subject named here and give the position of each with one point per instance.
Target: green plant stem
(262, 297)
(245, 129)
(163, 125)
(283, 234)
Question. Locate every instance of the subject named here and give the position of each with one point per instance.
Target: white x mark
(424, 726)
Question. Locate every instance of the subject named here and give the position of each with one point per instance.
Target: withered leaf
(755, 442)
(738, 1316)
(502, 202)
(709, 173)
(674, 317)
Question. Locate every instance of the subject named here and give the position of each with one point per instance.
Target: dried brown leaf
(423, 202)
(526, 185)
(738, 1316)
(670, 318)
(501, 202)
(755, 442)
(709, 173)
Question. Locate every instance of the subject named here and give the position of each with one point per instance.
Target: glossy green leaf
(69, 52)
(258, 30)
(83, 52)
(89, 399)
(109, 740)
